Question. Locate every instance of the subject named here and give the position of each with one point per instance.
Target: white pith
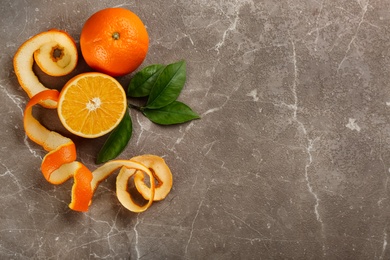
(94, 104)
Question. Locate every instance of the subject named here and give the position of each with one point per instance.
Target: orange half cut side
(91, 104)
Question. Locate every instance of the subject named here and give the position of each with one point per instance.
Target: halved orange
(91, 104)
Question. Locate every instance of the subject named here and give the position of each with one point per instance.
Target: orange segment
(55, 52)
(91, 104)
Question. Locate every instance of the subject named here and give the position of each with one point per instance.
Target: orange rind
(49, 140)
(53, 161)
(55, 52)
(161, 173)
(81, 190)
(123, 195)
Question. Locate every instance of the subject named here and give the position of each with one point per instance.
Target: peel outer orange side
(81, 190)
(53, 160)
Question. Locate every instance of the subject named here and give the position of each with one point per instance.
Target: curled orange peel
(49, 140)
(55, 53)
(123, 195)
(161, 173)
(59, 164)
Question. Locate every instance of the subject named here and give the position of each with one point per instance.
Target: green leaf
(168, 85)
(174, 113)
(143, 81)
(116, 141)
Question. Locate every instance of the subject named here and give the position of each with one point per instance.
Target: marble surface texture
(291, 159)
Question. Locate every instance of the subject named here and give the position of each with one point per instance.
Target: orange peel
(123, 195)
(161, 173)
(55, 53)
(81, 190)
(60, 164)
(49, 140)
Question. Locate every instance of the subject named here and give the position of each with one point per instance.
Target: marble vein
(364, 11)
(90, 242)
(192, 227)
(231, 14)
(142, 130)
(25, 21)
(19, 102)
(247, 225)
(232, 27)
(113, 230)
(310, 142)
(384, 246)
(136, 246)
(209, 147)
(318, 29)
(15, 180)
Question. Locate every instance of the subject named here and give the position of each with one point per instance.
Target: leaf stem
(135, 107)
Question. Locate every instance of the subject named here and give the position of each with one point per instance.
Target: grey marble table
(290, 159)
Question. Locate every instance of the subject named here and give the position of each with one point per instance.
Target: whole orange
(114, 41)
